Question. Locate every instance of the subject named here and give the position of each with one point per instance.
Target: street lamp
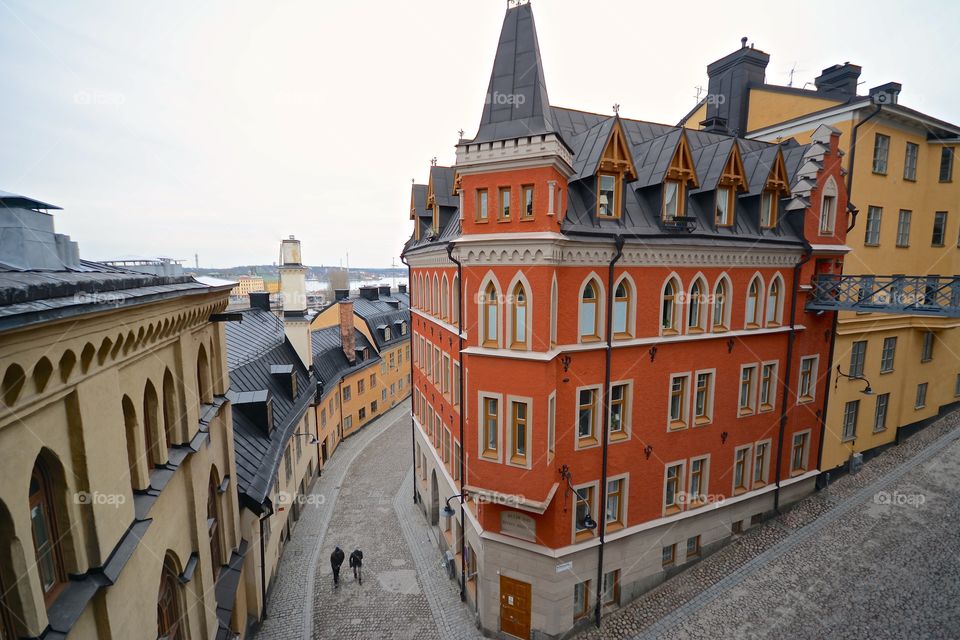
(448, 513)
(313, 438)
(588, 522)
(867, 391)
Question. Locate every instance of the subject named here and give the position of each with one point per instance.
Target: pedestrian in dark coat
(336, 559)
(356, 562)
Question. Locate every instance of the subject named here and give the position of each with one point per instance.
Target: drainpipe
(618, 239)
(791, 338)
(413, 436)
(463, 480)
(853, 155)
(263, 566)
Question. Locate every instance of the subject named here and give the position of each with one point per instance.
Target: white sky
(219, 127)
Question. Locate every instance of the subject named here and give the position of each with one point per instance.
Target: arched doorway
(434, 498)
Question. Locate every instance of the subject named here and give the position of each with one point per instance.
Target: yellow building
(379, 321)
(902, 179)
(115, 447)
(247, 285)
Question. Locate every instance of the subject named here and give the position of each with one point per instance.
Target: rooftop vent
(840, 80)
(260, 300)
(341, 294)
(370, 293)
(384, 290)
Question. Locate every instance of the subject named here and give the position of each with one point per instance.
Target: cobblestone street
(874, 556)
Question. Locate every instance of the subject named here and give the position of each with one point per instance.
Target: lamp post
(588, 523)
(448, 513)
(867, 391)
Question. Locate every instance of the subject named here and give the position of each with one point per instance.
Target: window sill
(797, 472)
(619, 436)
(502, 220)
(481, 221)
(740, 491)
(669, 332)
(805, 399)
(743, 413)
(622, 336)
(583, 535)
(669, 511)
(490, 455)
(614, 526)
(518, 461)
(702, 422)
(879, 173)
(677, 426)
(766, 408)
(917, 407)
(719, 329)
(586, 339)
(587, 443)
(694, 330)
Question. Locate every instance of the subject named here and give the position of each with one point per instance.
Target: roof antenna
(460, 133)
(433, 161)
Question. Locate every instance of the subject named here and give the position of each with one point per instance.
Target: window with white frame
(851, 411)
(741, 469)
(880, 415)
(872, 228)
(808, 378)
(747, 403)
(761, 463)
(679, 387)
(799, 452)
(703, 398)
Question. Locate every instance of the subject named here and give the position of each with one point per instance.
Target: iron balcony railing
(917, 295)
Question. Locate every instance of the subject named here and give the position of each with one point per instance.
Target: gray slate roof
(254, 347)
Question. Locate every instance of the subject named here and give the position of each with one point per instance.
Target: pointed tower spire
(516, 103)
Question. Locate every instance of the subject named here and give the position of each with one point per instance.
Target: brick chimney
(347, 338)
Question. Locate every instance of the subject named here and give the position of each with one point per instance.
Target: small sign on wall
(518, 525)
(564, 566)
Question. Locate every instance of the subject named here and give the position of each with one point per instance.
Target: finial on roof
(433, 161)
(460, 133)
(616, 108)
(743, 42)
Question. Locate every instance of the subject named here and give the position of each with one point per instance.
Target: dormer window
(673, 200)
(724, 207)
(608, 196)
(386, 333)
(828, 208)
(768, 210)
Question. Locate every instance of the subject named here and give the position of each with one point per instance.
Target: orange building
(613, 371)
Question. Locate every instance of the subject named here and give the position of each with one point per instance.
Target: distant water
(314, 285)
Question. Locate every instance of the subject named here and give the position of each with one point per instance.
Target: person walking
(336, 559)
(356, 562)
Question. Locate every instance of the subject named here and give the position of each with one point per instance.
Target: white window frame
(481, 421)
(774, 383)
(806, 451)
(814, 371)
(754, 391)
(597, 417)
(711, 393)
(508, 429)
(768, 443)
(747, 470)
(681, 488)
(691, 502)
(685, 418)
(627, 430)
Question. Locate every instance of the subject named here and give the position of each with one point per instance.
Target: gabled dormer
(680, 176)
(614, 170)
(777, 186)
(732, 179)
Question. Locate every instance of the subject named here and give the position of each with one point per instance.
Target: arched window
(169, 612)
(622, 309)
(151, 427)
(46, 533)
(170, 420)
(774, 298)
(136, 463)
(213, 523)
(721, 306)
(752, 311)
(455, 301)
(518, 319)
(491, 316)
(590, 312)
(445, 298)
(668, 307)
(428, 293)
(696, 314)
(436, 295)
(553, 312)
(203, 377)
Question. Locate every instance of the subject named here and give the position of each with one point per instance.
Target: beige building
(117, 514)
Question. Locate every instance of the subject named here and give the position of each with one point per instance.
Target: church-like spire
(516, 101)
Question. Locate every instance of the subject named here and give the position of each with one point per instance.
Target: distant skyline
(219, 128)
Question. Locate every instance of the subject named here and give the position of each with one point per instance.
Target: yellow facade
(247, 285)
(374, 389)
(889, 193)
(97, 403)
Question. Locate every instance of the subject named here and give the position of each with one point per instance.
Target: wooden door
(515, 607)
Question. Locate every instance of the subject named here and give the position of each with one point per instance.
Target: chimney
(370, 293)
(384, 290)
(839, 81)
(259, 300)
(347, 338)
(402, 288)
(341, 294)
(293, 291)
(886, 93)
(728, 89)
